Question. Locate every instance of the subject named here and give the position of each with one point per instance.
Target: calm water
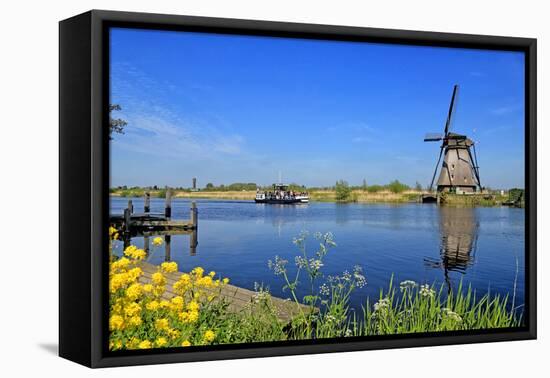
(424, 243)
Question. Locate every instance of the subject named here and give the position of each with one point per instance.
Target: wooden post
(126, 240)
(194, 218)
(167, 247)
(130, 206)
(127, 217)
(168, 204)
(146, 244)
(193, 242)
(147, 203)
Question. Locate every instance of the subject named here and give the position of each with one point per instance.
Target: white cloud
(505, 109)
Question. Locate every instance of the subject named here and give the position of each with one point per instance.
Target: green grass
(397, 311)
(472, 199)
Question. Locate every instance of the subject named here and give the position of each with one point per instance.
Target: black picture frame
(84, 178)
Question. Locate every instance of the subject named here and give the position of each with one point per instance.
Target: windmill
(459, 172)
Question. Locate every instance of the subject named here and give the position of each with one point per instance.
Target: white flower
(324, 289)
(360, 279)
(315, 264)
(407, 284)
(426, 291)
(278, 266)
(382, 304)
(451, 315)
(346, 276)
(300, 262)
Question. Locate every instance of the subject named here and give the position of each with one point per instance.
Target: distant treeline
(395, 186)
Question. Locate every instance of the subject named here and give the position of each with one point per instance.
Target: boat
(281, 195)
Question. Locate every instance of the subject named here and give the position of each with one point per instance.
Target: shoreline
(329, 196)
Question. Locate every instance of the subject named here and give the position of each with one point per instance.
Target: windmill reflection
(458, 228)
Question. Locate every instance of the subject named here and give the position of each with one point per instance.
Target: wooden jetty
(238, 298)
(131, 222)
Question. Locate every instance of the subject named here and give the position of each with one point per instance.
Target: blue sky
(240, 109)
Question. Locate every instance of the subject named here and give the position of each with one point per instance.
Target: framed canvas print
(234, 188)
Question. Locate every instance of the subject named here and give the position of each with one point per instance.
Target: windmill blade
(476, 166)
(433, 137)
(436, 166)
(451, 110)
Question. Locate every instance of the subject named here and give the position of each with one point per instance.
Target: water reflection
(146, 235)
(458, 228)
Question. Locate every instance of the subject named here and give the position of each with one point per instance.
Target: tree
(209, 185)
(116, 125)
(397, 187)
(343, 191)
(365, 186)
(418, 187)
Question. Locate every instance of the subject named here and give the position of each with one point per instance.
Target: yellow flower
(113, 233)
(116, 322)
(182, 285)
(169, 267)
(198, 271)
(205, 281)
(185, 343)
(133, 343)
(161, 341)
(145, 344)
(209, 336)
(188, 316)
(114, 345)
(118, 281)
(159, 290)
(173, 333)
(183, 316)
(135, 321)
(157, 241)
(192, 316)
(162, 324)
(134, 274)
(225, 281)
(165, 304)
(132, 309)
(193, 306)
(177, 303)
(158, 279)
(147, 288)
(212, 274)
(120, 264)
(134, 252)
(152, 306)
(134, 291)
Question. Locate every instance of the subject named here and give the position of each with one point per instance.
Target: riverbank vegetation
(394, 192)
(342, 193)
(190, 312)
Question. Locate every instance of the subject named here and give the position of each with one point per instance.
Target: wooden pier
(238, 298)
(137, 223)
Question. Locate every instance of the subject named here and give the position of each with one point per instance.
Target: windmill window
(452, 176)
(465, 179)
(452, 166)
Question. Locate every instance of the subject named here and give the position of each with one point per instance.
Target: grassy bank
(367, 197)
(249, 195)
(472, 200)
(360, 196)
(190, 312)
